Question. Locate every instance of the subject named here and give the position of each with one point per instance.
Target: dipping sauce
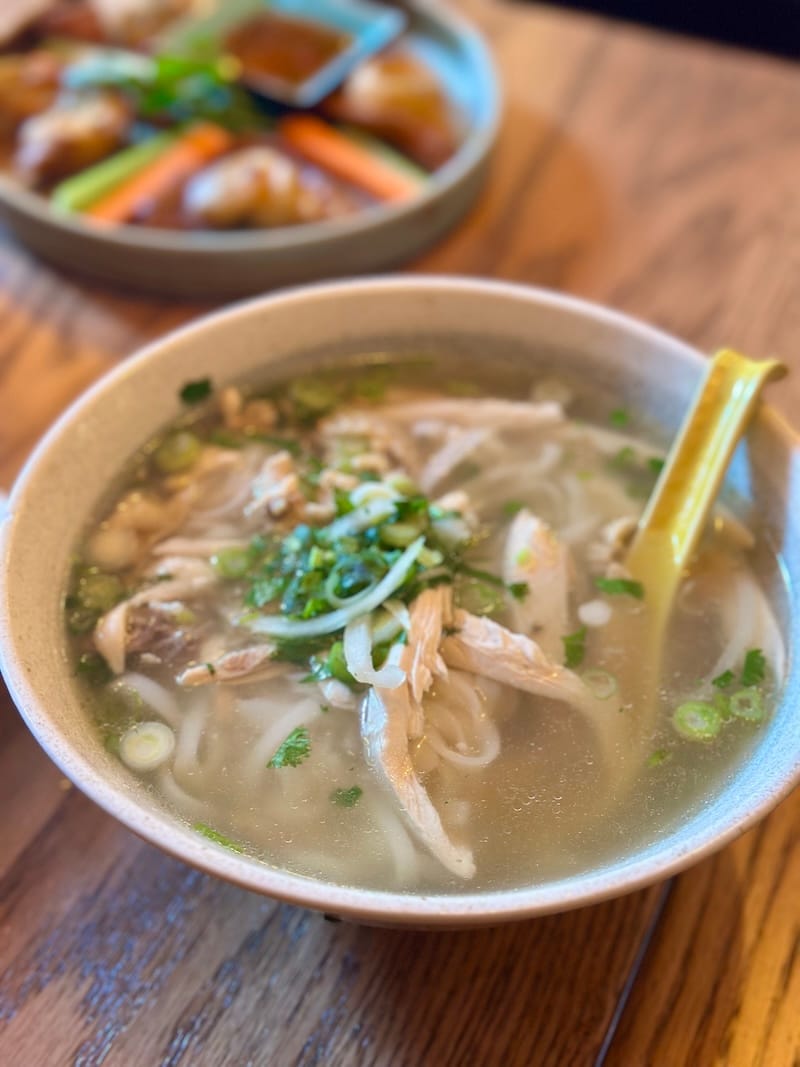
(275, 50)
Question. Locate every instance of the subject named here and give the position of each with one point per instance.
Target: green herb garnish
(619, 417)
(574, 648)
(722, 681)
(620, 587)
(747, 704)
(293, 750)
(697, 720)
(217, 837)
(347, 798)
(657, 758)
(754, 668)
(196, 392)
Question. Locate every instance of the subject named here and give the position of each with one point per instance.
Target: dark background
(767, 25)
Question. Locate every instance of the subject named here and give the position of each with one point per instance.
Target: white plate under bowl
(211, 265)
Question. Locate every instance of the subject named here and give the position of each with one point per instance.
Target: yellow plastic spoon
(675, 517)
(678, 509)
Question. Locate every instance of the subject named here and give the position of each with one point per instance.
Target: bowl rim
(472, 152)
(160, 828)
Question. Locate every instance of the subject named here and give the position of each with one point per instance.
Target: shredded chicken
(430, 614)
(255, 662)
(385, 716)
(535, 557)
(276, 488)
(459, 447)
(485, 647)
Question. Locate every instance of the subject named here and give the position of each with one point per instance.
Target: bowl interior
(652, 374)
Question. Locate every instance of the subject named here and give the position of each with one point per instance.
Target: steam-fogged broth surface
(373, 626)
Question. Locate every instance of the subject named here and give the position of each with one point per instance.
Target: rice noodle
(152, 694)
(401, 848)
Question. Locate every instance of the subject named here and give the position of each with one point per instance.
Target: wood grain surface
(657, 175)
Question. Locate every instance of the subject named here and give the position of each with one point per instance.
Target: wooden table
(662, 177)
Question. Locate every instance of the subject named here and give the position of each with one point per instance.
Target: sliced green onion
(600, 683)
(99, 592)
(231, 563)
(312, 396)
(146, 746)
(399, 534)
(430, 557)
(279, 626)
(84, 189)
(748, 704)
(697, 720)
(177, 452)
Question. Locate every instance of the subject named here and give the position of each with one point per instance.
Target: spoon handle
(675, 516)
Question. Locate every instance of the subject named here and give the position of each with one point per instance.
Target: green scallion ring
(748, 704)
(697, 721)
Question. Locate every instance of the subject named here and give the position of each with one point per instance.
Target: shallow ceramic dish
(650, 372)
(213, 265)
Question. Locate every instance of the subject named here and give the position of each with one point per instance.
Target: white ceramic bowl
(60, 487)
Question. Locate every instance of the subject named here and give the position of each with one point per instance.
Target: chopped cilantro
(660, 756)
(655, 464)
(574, 648)
(754, 667)
(722, 681)
(196, 392)
(619, 417)
(293, 750)
(216, 837)
(347, 798)
(519, 590)
(212, 670)
(620, 587)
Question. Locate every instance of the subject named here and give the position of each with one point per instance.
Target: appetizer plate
(216, 265)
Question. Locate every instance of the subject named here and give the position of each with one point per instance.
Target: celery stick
(382, 151)
(82, 190)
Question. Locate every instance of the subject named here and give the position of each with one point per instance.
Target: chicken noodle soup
(382, 634)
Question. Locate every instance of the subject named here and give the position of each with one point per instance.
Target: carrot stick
(197, 145)
(331, 150)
